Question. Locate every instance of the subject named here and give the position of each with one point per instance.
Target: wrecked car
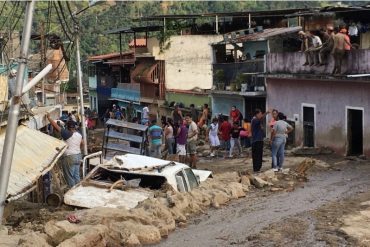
(128, 179)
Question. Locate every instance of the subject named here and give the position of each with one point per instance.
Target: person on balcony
(313, 51)
(338, 51)
(327, 47)
(305, 45)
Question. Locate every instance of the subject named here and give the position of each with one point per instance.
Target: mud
(267, 218)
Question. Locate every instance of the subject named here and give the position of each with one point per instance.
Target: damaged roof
(35, 153)
(264, 35)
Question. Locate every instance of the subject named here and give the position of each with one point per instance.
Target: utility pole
(80, 88)
(43, 59)
(15, 102)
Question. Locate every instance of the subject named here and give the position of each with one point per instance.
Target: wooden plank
(122, 148)
(123, 136)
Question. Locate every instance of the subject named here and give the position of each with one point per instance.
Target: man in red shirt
(235, 114)
(224, 131)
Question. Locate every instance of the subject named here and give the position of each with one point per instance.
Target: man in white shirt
(192, 140)
(314, 50)
(72, 157)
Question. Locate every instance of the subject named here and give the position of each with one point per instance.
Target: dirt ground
(320, 209)
(311, 215)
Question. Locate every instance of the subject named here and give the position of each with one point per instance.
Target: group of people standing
(179, 139)
(318, 45)
(234, 135)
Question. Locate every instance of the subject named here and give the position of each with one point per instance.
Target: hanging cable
(61, 23)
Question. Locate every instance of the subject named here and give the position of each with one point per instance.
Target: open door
(354, 132)
(309, 126)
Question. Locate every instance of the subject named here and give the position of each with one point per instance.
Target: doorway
(355, 131)
(308, 126)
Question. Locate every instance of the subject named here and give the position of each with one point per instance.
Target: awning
(35, 154)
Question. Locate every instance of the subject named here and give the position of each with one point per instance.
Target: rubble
(259, 182)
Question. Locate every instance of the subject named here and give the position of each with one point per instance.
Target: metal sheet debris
(35, 154)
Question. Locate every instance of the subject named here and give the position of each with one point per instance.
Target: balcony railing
(356, 62)
(129, 92)
(232, 70)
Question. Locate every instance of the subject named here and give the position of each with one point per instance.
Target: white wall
(188, 61)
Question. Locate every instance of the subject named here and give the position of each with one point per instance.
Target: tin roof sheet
(35, 153)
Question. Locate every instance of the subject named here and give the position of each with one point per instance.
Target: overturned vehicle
(128, 179)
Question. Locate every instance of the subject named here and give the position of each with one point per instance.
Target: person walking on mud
(257, 139)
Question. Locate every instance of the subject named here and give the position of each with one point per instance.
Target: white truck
(128, 179)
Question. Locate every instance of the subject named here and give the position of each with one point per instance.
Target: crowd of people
(319, 45)
(230, 134)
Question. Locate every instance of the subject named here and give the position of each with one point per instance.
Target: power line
(61, 23)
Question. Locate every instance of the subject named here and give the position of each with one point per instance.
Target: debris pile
(154, 218)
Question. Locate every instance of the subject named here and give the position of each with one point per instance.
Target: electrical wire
(61, 23)
(64, 18)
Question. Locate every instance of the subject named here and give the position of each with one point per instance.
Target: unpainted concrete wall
(331, 99)
(188, 61)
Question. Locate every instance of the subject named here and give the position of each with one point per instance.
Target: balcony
(126, 92)
(288, 63)
(239, 77)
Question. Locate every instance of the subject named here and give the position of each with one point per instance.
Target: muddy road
(265, 218)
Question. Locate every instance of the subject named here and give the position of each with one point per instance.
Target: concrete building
(326, 110)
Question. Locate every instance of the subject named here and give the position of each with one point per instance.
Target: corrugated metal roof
(139, 43)
(110, 56)
(35, 153)
(265, 34)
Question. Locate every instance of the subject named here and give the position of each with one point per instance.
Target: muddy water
(237, 223)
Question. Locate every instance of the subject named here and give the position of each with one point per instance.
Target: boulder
(260, 183)
(245, 180)
(58, 231)
(33, 239)
(94, 236)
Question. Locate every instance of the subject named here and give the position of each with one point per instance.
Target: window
(181, 182)
(192, 180)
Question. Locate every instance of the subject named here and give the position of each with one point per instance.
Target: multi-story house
(327, 110)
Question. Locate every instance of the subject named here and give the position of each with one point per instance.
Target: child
(234, 141)
(214, 142)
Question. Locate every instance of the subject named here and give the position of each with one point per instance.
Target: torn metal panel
(202, 174)
(38, 120)
(92, 197)
(35, 154)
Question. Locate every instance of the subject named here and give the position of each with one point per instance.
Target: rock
(259, 182)
(60, 231)
(219, 198)
(33, 239)
(304, 166)
(236, 190)
(268, 175)
(146, 234)
(274, 189)
(89, 236)
(132, 240)
(245, 180)
(205, 153)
